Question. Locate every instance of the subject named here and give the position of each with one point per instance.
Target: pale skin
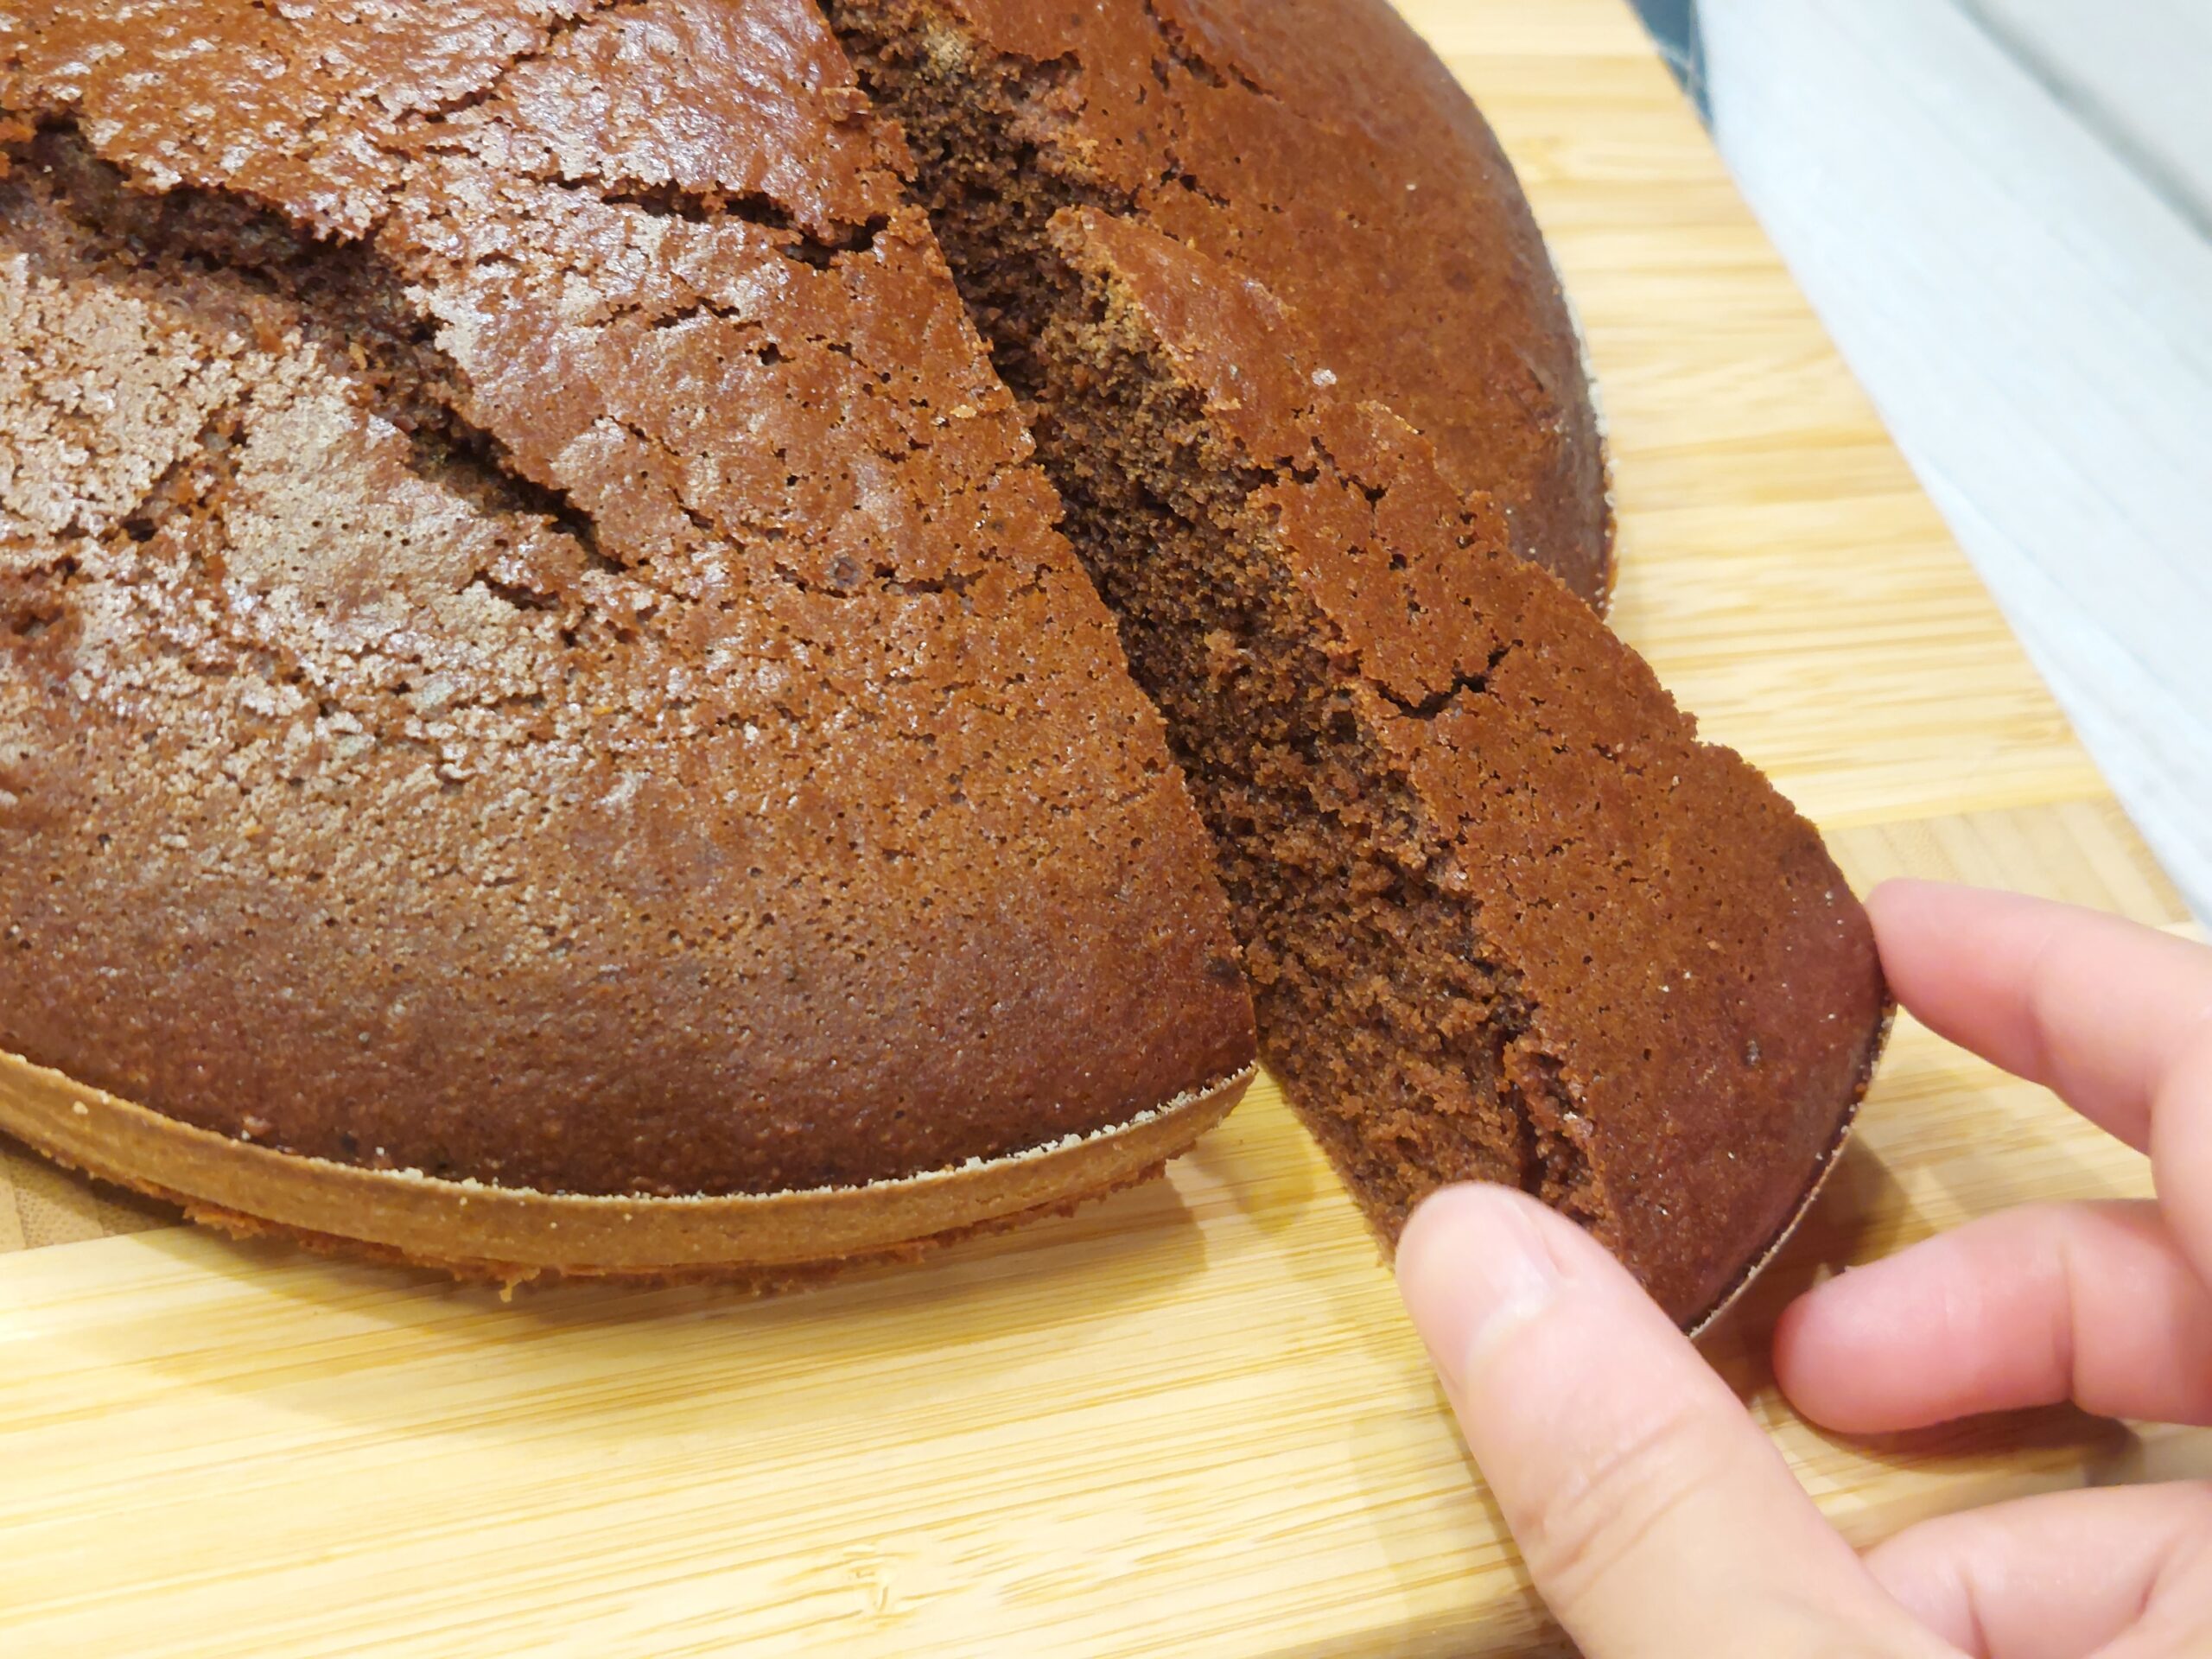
(1658, 1520)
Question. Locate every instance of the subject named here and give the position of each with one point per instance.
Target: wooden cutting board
(1191, 1419)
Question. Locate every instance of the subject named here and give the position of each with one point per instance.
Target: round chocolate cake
(684, 636)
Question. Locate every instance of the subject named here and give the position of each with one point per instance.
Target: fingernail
(1470, 1264)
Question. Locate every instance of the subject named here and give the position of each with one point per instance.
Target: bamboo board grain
(1191, 1419)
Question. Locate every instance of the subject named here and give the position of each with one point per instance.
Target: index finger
(2104, 1012)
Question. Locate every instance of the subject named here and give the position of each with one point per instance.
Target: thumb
(1655, 1517)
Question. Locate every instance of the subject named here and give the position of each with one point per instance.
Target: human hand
(1656, 1518)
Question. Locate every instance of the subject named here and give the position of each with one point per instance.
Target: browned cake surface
(530, 646)
(1504, 916)
(1318, 145)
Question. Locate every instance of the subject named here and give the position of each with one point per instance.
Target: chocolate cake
(546, 722)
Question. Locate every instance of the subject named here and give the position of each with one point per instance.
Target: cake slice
(1504, 917)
